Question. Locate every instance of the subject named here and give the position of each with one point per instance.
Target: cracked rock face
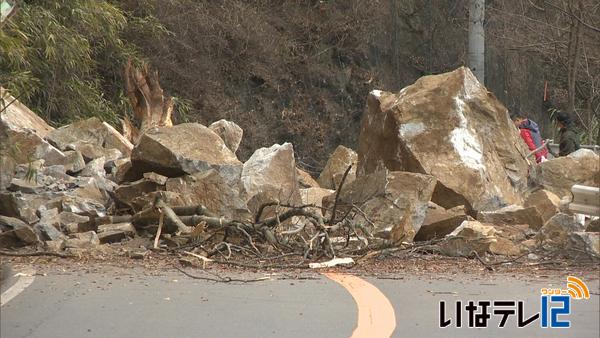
(448, 126)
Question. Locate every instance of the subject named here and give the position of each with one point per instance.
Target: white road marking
(25, 279)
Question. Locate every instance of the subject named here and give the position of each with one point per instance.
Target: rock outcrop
(337, 164)
(448, 126)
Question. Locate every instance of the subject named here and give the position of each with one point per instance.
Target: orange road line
(376, 317)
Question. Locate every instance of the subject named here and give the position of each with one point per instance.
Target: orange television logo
(576, 288)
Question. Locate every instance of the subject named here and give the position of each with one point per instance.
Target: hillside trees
(65, 58)
(565, 36)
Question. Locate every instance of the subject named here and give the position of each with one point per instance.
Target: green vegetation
(64, 58)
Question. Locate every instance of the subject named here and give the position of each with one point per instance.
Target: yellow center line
(376, 317)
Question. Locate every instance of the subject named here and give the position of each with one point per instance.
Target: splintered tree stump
(150, 107)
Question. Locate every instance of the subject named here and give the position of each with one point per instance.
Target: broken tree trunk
(150, 107)
(170, 214)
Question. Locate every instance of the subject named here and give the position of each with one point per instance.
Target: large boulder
(184, 149)
(229, 132)
(271, 172)
(90, 131)
(22, 133)
(338, 162)
(513, 215)
(439, 222)
(211, 190)
(20, 229)
(127, 193)
(555, 233)
(560, 174)
(385, 199)
(448, 126)
(545, 202)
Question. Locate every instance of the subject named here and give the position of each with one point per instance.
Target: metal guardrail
(586, 200)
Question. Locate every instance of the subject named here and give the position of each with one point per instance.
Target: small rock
(314, 196)
(94, 167)
(529, 245)
(110, 233)
(338, 162)
(593, 226)
(229, 132)
(468, 237)
(25, 186)
(73, 162)
(47, 231)
(126, 193)
(185, 148)
(84, 240)
(386, 198)
(588, 242)
(156, 178)
(560, 174)
(504, 247)
(7, 170)
(138, 254)
(54, 246)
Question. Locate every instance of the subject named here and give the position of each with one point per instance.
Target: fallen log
(170, 214)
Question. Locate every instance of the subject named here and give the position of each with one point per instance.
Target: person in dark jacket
(568, 141)
(530, 133)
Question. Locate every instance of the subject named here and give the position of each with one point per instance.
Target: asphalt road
(127, 303)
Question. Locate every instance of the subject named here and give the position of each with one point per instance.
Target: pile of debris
(439, 167)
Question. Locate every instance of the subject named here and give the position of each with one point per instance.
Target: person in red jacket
(530, 133)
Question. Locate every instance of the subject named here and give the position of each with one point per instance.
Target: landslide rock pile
(438, 163)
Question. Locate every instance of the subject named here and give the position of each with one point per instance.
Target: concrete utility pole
(477, 39)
